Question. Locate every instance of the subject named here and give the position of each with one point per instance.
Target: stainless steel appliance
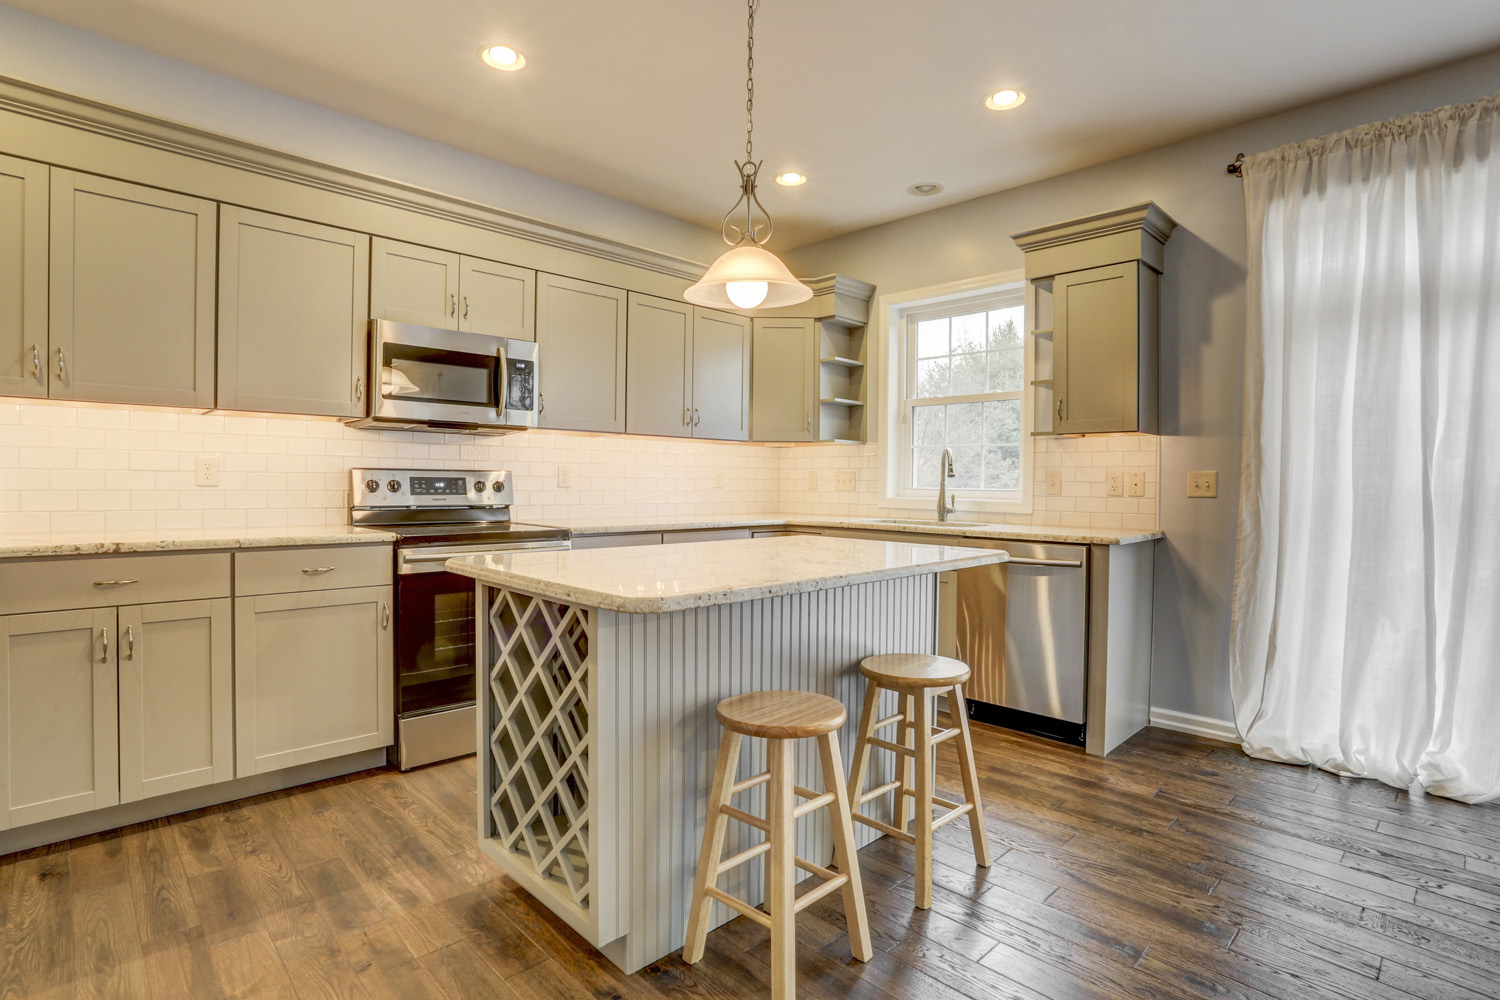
(429, 379)
(1022, 626)
(439, 514)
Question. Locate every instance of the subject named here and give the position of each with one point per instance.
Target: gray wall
(1202, 330)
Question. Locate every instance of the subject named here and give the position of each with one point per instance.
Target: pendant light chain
(750, 82)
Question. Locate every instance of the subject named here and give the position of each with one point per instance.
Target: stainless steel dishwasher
(1022, 627)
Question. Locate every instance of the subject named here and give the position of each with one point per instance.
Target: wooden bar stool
(779, 717)
(917, 679)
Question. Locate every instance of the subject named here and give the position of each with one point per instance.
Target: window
(960, 383)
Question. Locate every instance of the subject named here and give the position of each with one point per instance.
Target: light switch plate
(206, 470)
(1115, 483)
(812, 479)
(844, 480)
(1135, 484)
(1203, 484)
(564, 477)
(1054, 482)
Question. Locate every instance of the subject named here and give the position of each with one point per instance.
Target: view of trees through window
(967, 380)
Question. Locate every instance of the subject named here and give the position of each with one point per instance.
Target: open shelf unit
(1039, 309)
(842, 383)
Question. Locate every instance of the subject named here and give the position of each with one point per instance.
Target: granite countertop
(953, 529)
(84, 543)
(657, 579)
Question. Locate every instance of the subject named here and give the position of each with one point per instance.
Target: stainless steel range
(439, 514)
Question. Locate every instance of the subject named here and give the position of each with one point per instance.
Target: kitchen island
(599, 673)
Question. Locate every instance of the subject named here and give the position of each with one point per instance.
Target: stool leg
(867, 720)
(844, 855)
(713, 847)
(970, 774)
(922, 828)
(781, 883)
(903, 763)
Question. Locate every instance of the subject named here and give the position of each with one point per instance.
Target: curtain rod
(1236, 169)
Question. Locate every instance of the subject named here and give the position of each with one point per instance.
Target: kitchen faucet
(946, 504)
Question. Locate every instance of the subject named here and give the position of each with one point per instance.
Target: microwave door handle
(502, 382)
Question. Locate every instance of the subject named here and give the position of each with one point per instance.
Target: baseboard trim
(1197, 725)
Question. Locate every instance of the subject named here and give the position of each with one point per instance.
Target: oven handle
(432, 560)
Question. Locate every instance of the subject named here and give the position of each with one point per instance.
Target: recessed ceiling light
(791, 179)
(502, 57)
(1004, 100)
(925, 189)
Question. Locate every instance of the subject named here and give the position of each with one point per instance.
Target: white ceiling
(644, 100)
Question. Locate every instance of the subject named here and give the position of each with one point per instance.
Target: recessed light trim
(502, 57)
(925, 190)
(1005, 100)
(791, 178)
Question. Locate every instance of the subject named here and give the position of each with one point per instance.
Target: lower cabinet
(313, 676)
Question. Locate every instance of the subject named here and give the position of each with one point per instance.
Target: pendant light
(748, 275)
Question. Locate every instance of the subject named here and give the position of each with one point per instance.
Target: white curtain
(1367, 593)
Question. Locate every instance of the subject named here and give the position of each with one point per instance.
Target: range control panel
(430, 488)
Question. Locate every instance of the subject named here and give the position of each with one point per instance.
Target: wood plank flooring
(1175, 868)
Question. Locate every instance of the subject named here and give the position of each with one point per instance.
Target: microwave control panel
(520, 384)
(431, 488)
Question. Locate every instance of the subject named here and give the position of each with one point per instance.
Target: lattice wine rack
(539, 740)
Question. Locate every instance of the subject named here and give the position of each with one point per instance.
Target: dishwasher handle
(1026, 561)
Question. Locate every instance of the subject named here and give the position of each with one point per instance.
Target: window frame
(900, 314)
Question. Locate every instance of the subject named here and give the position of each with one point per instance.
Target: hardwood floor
(1175, 868)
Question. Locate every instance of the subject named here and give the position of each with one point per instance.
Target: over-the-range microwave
(423, 378)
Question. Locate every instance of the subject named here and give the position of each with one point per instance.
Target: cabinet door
(784, 380)
(659, 367)
(176, 697)
(411, 284)
(496, 299)
(23, 278)
(580, 334)
(313, 677)
(132, 311)
(58, 736)
(293, 315)
(721, 375)
(1095, 338)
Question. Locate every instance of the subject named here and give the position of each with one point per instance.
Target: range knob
(394, 486)
(479, 486)
(498, 486)
(371, 485)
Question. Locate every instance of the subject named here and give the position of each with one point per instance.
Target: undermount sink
(921, 522)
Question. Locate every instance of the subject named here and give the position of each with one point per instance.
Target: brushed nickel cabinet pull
(317, 570)
(385, 615)
(117, 583)
(105, 633)
(359, 389)
(466, 307)
(62, 365)
(36, 363)
(452, 304)
(1059, 409)
(129, 642)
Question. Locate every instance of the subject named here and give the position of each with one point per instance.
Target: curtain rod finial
(1236, 169)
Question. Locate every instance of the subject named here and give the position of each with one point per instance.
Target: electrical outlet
(812, 479)
(718, 479)
(206, 470)
(564, 477)
(844, 480)
(1115, 483)
(1203, 484)
(1135, 484)
(1054, 482)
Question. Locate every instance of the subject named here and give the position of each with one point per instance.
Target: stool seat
(781, 715)
(914, 670)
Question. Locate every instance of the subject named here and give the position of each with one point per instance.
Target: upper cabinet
(783, 382)
(580, 334)
(687, 371)
(132, 294)
(1093, 294)
(23, 278)
(293, 315)
(414, 284)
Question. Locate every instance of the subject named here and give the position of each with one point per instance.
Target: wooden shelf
(837, 401)
(1045, 332)
(1042, 381)
(839, 362)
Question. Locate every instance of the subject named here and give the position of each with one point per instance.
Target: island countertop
(658, 579)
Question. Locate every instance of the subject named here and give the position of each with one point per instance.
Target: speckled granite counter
(37, 545)
(657, 579)
(952, 529)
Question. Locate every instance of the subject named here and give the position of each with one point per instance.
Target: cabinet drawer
(328, 567)
(28, 585)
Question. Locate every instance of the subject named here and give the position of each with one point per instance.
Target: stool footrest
(746, 818)
(834, 884)
(943, 735)
(894, 747)
(816, 802)
(891, 721)
(734, 903)
(885, 828)
(742, 857)
(951, 815)
(875, 793)
(748, 783)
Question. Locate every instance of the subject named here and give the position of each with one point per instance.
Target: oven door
(447, 377)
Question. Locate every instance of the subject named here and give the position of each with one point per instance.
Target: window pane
(1005, 327)
(924, 467)
(967, 468)
(968, 333)
(965, 423)
(932, 378)
(928, 426)
(1007, 370)
(968, 373)
(932, 338)
(1002, 422)
(1002, 467)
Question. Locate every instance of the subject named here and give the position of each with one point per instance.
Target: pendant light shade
(745, 277)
